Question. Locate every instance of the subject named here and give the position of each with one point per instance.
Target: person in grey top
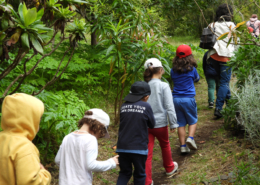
(161, 101)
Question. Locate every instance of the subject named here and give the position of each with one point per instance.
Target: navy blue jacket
(209, 70)
(135, 118)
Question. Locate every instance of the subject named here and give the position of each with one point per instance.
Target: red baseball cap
(183, 51)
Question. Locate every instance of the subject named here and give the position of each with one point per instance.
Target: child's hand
(173, 130)
(116, 159)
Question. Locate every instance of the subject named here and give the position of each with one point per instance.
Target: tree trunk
(93, 39)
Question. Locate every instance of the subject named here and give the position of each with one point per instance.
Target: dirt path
(202, 134)
(206, 126)
(192, 167)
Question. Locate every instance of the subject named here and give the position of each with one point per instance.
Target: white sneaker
(174, 170)
(191, 144)
(152, 183)
(185, 149)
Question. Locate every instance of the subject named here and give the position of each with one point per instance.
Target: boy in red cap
(183, 75)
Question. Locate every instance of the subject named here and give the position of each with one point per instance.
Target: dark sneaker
(211, 105)
(217, 113)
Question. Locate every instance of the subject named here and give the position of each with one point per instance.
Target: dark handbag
(208, 38)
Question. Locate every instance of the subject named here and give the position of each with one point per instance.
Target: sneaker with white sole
(191, 144)
(211, 105)
(185, 149)
(174, 170)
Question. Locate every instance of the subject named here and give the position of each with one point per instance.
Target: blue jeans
(224, 76)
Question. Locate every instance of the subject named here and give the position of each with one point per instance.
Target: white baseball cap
(152, 62)
(101, 116)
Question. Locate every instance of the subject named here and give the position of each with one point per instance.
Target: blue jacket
(184, 83)
(208, 68)
(135, 118)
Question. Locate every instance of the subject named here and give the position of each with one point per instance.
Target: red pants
(163, 137)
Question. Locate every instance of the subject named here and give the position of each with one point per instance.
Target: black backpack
(208, 38)
(253, 26)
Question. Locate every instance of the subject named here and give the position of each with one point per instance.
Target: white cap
(101, 116)
(152, 62)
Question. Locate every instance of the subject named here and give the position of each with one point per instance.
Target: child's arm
(151, 120)
(57, 158)
(168, 104)
(29, 171)
(196, 75)
(91, 160)
(204, 62)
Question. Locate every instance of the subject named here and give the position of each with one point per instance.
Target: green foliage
(29, 27)
(230, 113)
(247, 172)
(248, 98)
(65, 13)
(245, 63)
(183, 17)
(63, 109)
(77, 29)
(128, 34)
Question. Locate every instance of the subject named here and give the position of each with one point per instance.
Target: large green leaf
(24, 9)
(36, 44)
(4, 23)
(40, 14)
(41, 27)
(2, 36)
(20, 11)
(30, 17)
(25, 40)
(110, 49)
(15, 14)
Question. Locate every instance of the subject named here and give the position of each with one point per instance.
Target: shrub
(248, 107)
(244, 63)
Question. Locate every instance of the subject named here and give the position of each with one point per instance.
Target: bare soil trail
(215, 154)
(206, 126)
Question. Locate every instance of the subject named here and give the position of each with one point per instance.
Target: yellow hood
(21, 115)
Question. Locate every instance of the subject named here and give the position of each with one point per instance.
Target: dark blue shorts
(186, 111)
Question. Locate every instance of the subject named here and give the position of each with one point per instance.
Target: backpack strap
(213, 28)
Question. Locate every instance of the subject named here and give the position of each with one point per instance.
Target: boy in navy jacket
(136, 116)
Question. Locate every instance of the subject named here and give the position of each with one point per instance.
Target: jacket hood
(21, 115)
(253, 19)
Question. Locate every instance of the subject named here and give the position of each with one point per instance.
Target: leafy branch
(23, 76)
(55, 77)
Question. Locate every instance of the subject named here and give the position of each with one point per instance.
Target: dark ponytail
(150, 71)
